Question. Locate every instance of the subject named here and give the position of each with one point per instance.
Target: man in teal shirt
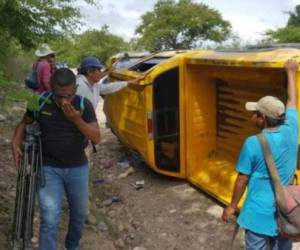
(280, 126)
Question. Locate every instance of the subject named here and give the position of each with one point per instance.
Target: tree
(290, 33)
(294, 19)
(100, 43)
(30, 21)
(181, 25)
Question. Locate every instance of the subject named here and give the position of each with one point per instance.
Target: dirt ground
(130, 207)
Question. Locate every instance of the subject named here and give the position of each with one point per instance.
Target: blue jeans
(73, 182)
(256, 241)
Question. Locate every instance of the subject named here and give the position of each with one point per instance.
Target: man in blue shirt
(280, 126)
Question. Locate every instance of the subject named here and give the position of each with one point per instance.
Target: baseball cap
(91, 62)
(269, 106)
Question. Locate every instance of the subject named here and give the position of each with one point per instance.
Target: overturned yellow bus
(187, 119)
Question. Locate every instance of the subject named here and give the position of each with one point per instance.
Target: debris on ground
(139, 184)
(129, 171)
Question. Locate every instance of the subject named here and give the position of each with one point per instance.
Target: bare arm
(17, 140)
(113, 87)
(239, 189)
(291, 67)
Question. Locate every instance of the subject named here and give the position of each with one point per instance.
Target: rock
(121, 227)
(112, 214)
(2, 118)
(129, 171)
(19, 110)
(107, 202)
(215, 211)
(195, 208)
(102, 226)
(164, 234)
(172, 211)
(119, 243)
(91, 220)
(139, 248)
(3, 185)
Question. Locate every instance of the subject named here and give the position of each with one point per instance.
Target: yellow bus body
(202, 125)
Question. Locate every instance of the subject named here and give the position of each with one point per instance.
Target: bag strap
(81, 103)
(43, 99)
(272, 169)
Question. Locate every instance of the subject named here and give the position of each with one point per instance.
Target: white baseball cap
(269, 106)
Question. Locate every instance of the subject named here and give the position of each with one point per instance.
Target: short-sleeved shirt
(44, 72)
(258, 211)
(62, 142)
(93, 92)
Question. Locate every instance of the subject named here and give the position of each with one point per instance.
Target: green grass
(11, 92)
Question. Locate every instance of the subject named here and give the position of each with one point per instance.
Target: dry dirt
(165, 214)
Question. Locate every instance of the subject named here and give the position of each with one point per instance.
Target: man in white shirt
(89, 80)
(90, 86)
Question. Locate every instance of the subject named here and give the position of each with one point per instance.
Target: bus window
(148, 64)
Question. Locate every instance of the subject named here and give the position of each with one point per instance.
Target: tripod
(29, 174)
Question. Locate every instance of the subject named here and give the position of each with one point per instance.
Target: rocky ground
(131, 207)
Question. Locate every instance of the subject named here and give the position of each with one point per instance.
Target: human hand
(136, 81)
(291, 66)
(70, 112)
(17, 154)
(228, 212)
(114, 64)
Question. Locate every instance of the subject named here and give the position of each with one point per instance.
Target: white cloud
(249, 29)
(249, 19)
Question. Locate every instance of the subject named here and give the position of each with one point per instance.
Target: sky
(249, 19)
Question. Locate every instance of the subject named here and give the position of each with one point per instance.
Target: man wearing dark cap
(91, 71)
(279, 124)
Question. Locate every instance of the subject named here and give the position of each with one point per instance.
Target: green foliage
(100, 43)
(10, 91)
(181, 25)
(288, 34)
(294, 19)
(33, 21)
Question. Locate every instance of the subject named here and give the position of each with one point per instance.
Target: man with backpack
(279, 125)
(66, 122)
(44, 67)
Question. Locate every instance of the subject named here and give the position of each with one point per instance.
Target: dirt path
(163, 214)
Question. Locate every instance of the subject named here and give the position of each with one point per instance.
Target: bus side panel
(126, 115)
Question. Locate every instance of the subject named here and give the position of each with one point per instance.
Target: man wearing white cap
(280, 127)
(44, 67)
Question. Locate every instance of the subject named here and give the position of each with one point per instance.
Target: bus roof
(269, 58)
